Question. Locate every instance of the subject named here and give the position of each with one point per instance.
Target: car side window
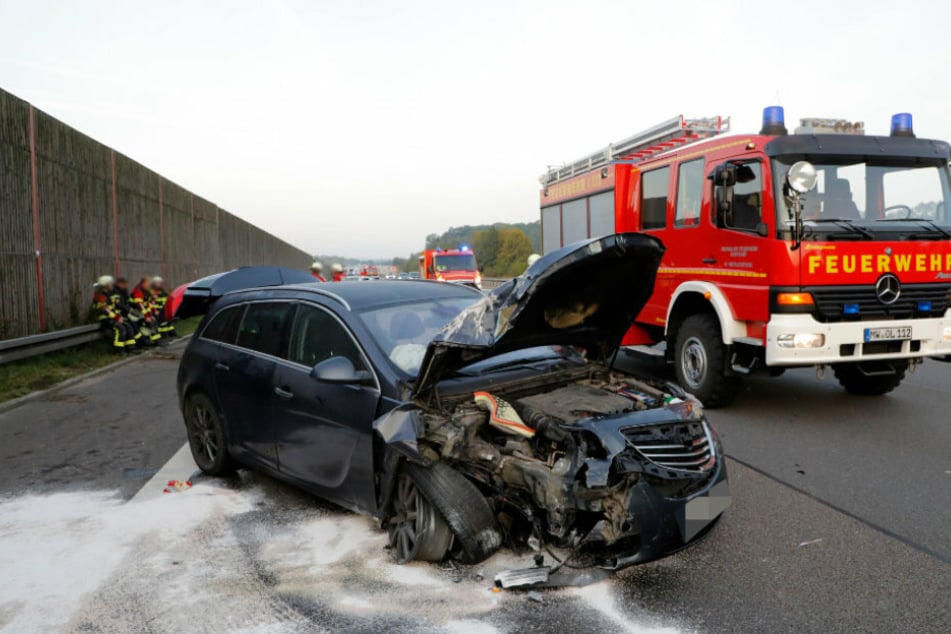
(264, 326)
(224, 326)
(317, 336)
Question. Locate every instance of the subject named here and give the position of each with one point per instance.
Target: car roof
(366, 294)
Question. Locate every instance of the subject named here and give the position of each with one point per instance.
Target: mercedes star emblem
(888, 289)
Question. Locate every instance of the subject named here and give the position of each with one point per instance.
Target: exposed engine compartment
(558, 455)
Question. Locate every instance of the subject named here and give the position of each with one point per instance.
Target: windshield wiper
(928, 224)
(845, 224)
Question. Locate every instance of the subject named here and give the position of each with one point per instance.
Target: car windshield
(404, 331)
(869, 193)
(463, 262)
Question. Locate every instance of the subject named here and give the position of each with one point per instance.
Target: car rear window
(224, 326)
(264, 327)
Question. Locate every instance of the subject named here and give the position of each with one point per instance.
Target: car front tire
(456, 504)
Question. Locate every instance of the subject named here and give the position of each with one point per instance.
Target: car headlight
(801, 340)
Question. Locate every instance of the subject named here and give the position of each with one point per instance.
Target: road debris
(176, 486)
(810, 542)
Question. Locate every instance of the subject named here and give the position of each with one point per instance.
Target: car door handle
(283, 393)
(224, 367)
(709, 260)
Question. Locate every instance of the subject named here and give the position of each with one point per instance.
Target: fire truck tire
(851, 377)
(700, 361)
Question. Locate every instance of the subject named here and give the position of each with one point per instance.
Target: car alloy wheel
(206, 437)
(203, 434)
(417, 531)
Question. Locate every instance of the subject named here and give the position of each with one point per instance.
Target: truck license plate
(887, 334)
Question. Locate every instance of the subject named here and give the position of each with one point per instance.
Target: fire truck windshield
(455, 262)
(868, 194)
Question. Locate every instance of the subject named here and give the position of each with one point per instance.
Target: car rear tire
(855, 381)
(206, 437)
(700, 361)
(460, 505)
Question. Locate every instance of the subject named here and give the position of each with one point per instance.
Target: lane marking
(181, 466)
(887, 532)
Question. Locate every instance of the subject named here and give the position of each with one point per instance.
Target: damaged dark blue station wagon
(461, 421)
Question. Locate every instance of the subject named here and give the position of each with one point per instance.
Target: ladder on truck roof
(675, 132)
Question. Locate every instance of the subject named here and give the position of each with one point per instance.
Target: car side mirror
(762, 229)
(341, 371)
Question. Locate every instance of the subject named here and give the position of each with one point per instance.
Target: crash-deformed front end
(615, 469)
(567, 451)
(675, 484)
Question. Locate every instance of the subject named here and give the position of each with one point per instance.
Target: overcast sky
(359, 127)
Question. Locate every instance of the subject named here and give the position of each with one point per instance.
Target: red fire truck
(453, 265)
(824, 247)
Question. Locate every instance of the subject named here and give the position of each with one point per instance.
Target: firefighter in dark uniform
(109, 316)
(159, 299)
(141, 301)
(121, 300)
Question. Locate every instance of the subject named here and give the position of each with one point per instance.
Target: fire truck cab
(823, 247)
(452, 265)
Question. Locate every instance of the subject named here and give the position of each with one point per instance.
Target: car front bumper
(667, 525)
(929, 338)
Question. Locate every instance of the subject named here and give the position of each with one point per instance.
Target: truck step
(657, 351)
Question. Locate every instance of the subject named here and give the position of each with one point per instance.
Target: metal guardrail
(488, 283)
(34, 345)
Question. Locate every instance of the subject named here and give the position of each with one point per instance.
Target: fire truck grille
(684, 446)
(839, 303)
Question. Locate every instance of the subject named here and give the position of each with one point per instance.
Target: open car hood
(586, 294)
(195, 298)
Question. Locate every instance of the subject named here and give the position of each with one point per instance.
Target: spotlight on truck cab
(801, 176)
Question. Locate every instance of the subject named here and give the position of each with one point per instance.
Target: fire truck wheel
(874, 381)
(700, 360)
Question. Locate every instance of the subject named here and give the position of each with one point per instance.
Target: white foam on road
(251, 556)
(54, 549)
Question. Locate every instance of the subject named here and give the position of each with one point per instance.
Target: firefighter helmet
(104, 280)
(337, 267)
(316, 266)
(157, 280)
(533, 258)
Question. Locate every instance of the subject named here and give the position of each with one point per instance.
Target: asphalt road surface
(841, 522)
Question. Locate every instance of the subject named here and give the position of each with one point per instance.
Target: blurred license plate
(887, 334)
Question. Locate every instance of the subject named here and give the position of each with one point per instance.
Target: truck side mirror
(724, 177)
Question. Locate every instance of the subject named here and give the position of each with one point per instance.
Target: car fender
(731, 329)
(399, 430)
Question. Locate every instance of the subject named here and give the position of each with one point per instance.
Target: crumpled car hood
(585, 294)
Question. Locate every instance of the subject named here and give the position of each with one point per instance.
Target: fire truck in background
(824, 247)
(453, 265)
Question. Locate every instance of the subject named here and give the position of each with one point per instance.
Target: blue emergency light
(774, 120)
(463, 247)
(924, 307)
(901, 124)
(850, 309)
